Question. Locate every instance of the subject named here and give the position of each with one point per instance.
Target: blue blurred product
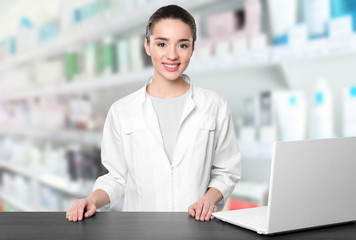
(47, 32)
(26, 35)
(282, 15)
(322, 111)
(349, 112)
(291, 114)
(10, 45)
(341, 8)
(316, 14)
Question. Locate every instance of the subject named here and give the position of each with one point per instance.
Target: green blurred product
(106, 56)
(123, 55)
(90, 60)
(71, 66)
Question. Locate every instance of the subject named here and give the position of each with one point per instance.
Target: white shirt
(169, 112)
(206, 153)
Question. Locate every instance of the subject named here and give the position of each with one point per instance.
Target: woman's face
(170, 48)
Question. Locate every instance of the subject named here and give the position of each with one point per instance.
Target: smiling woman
(170, 146)
(170, 47)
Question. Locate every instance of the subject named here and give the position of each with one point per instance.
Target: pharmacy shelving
(95, 29)
(124, 24)
(59, 183)
(107, 81)
(16, 203)
(75, 136)
(270, 56)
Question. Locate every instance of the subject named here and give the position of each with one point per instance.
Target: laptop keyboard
(253, 217)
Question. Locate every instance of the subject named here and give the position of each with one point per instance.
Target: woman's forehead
(171, 28)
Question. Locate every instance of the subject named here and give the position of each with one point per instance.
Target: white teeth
(171, 66)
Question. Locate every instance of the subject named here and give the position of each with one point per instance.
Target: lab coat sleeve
(226, 167)
(112, 157)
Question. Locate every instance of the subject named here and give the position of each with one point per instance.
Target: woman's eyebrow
(166, 39)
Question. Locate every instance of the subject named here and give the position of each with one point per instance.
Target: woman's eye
(184, 46)
(161, 44)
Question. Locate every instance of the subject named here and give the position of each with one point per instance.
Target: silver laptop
(313, 183)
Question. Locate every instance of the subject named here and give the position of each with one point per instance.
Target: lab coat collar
(185, 78)
(151, 116)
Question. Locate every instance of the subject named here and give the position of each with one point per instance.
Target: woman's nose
(172, 53)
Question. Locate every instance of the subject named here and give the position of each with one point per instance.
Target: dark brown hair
(171, 12)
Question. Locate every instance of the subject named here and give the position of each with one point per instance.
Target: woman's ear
(192, 51)
(147, 47)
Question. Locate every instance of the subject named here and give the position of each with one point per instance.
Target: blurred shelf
(272, 56)
(83, 86)
(59, 183)
(314, 49)
(277, 55)
(251, 191)
(74, 136)
(15, 202)
(95, 29)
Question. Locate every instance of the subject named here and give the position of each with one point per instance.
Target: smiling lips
(170, 67)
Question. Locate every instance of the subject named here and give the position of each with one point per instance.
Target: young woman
(171, 145)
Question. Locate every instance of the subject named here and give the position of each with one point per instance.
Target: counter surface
(143, 225)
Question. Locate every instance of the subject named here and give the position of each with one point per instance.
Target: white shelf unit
(74, 136)
(50, 180)
(271, 57)
(96, 28)
(16, 203)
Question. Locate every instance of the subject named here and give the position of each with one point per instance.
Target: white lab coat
(206, 153)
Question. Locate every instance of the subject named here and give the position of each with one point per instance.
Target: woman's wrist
(214, 195)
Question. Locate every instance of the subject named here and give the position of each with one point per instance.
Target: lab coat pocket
(134, 137)
(201, 129)
(202, 121)
(133, 124)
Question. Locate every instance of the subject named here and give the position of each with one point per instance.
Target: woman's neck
(163, 88)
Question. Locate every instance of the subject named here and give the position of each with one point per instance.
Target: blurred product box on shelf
(341, 8)
(322, 123)
(340, 27)
(298, 36)
(316, 15)
(291, 114)
(349, 111)
(282, 15)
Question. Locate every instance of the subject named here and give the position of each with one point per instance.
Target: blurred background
(286, 68)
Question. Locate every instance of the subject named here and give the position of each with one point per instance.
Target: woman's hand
(76, 211)
(202, 209)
